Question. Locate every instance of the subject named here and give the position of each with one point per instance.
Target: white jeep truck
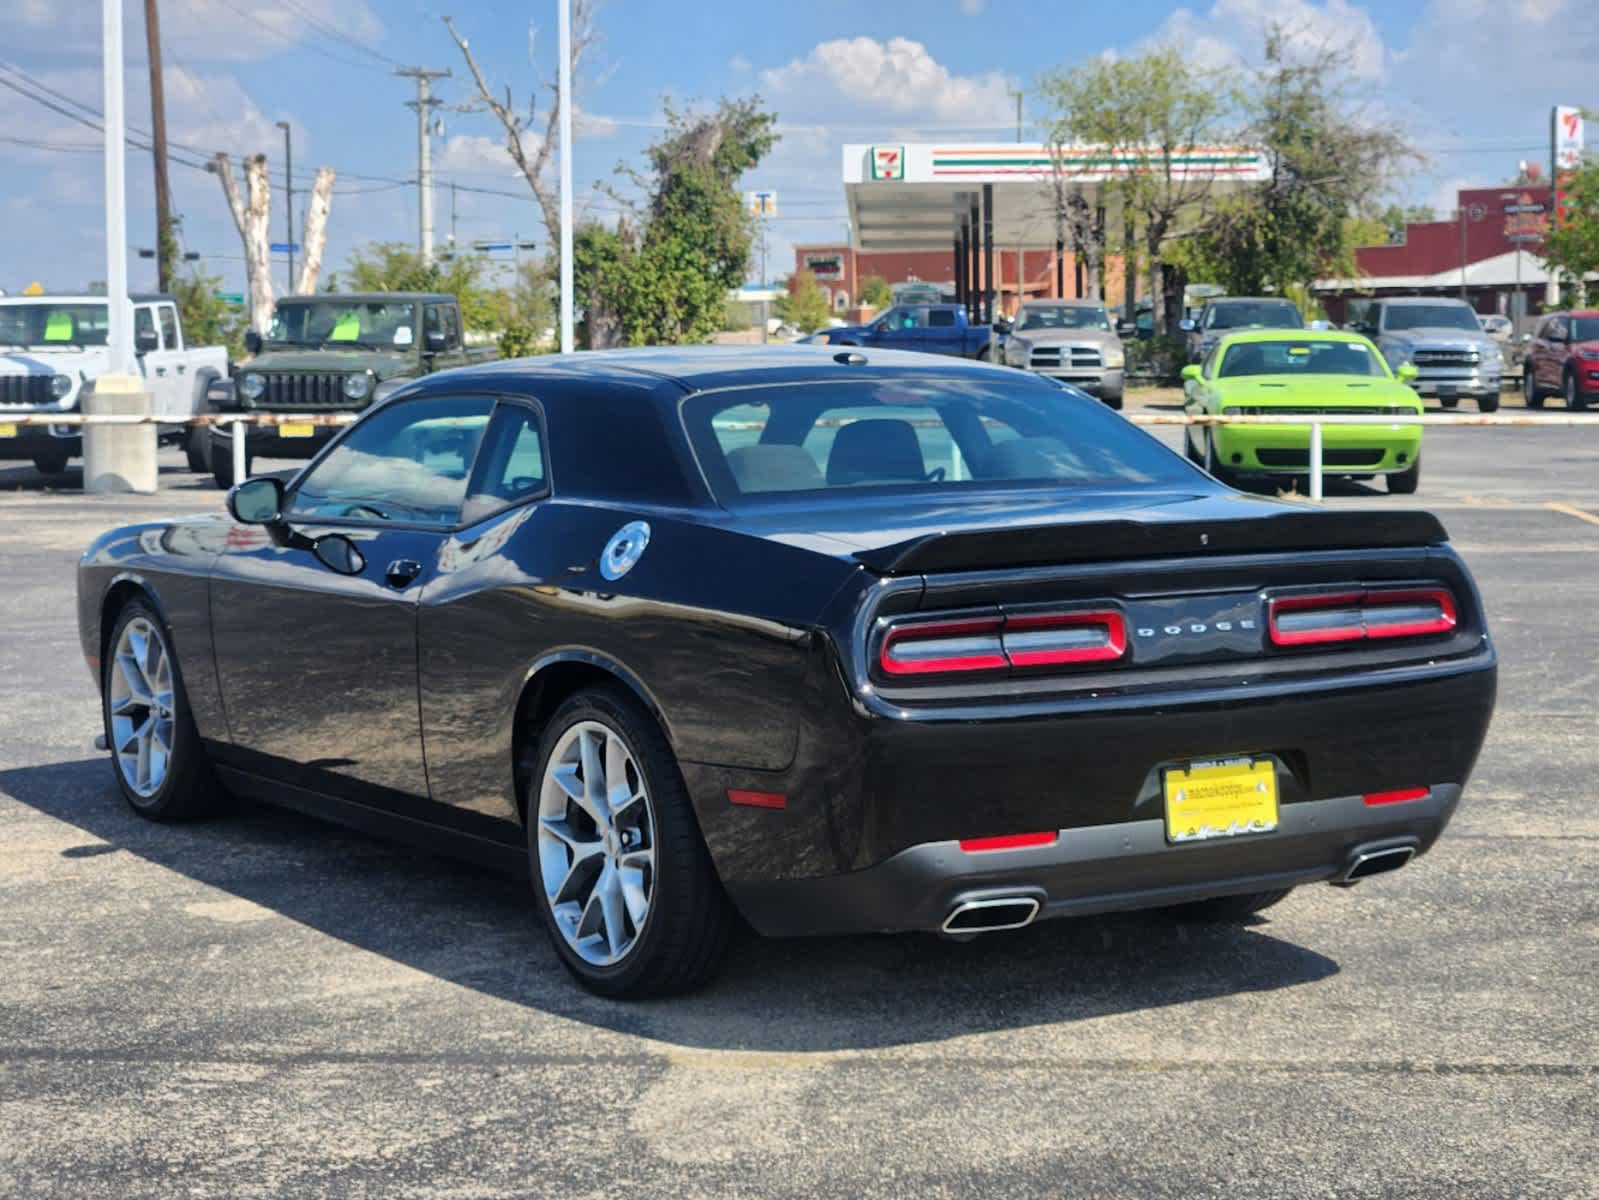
(51, 346)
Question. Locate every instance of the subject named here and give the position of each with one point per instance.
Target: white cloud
(1232, 33)
(475, 154)
(869, 78)
(972, 8)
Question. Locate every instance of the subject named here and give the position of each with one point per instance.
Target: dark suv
(1229, 314)
(1563, 359)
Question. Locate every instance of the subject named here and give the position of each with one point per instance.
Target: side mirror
(339, 554)
(252, 343)
(1125, 327)
(257, 501)
(1003, 326)
(437, 343)
(1526, 337)
(145, 341)
(1406, 373)
(1192, 371)
(1187, 325)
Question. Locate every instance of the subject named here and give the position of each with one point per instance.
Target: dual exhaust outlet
(998, 911)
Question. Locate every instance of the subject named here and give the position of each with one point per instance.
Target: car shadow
(478, 930)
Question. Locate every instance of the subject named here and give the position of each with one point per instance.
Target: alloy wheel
(141, 704)
(596, 843)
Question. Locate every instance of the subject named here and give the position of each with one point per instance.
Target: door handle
(181, 368)
(401, 572)
(160, 370)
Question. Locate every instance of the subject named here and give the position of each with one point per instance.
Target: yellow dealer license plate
(8, 431)
(296, 430)
(1220, 798)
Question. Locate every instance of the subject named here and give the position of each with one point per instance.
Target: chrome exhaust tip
(1365, 863)
(990, 914)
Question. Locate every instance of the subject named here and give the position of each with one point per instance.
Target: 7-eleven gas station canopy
(915, 196)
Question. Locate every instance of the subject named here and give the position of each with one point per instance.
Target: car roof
(86, 298)
(370, 297)
(1578, 312)
(707, 368)
(1407, 301)
(1079, 302)
(1293, 335)
(1247, 300)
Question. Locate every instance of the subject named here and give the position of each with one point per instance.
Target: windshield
(1063, 316)
(1270, 314)
(1398, 317)
(46, 325)
(1585, 329)
(1301, 357)
(922, 435)
(369, 324)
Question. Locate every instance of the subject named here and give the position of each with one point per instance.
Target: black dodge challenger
(834, 641)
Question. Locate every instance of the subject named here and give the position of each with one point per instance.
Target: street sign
(285, 247)
(231, 297)
(762, 204)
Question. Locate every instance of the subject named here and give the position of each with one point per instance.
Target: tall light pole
(119, 334)
(564, 99)
(424, 105)
(288, 201)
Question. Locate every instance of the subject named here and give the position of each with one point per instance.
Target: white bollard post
(237, 447)
(1315, 461)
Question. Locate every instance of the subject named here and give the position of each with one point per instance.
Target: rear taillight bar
(1355, 616)
(1002, 640)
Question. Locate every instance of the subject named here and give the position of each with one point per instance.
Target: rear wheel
(1405, 483)
(52, 461)
(1226, 909)
(621, 876)
(1488, 404)
(149, 729)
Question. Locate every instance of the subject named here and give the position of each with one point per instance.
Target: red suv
(1563, 359)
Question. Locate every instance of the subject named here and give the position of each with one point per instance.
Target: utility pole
(288, 202)
(165, 239)
(452, 216)
(424, 105)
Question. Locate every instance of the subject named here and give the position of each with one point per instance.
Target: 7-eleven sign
(888, 162)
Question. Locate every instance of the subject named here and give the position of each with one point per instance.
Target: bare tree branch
(316, 230)
(250, 216)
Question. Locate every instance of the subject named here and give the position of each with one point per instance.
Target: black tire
(1575, 400)
(1488, 404)
(221, 453)
(1191, 451)
(685, 932)
(1224, 910)
(1449, 401)
(197, 449)
(188, 788)
(1529, 386)
(51, 461)
(1114, 402)
(982, 354)
(1213, 463)
(1405, 483)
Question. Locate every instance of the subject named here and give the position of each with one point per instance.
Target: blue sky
(1471, 80)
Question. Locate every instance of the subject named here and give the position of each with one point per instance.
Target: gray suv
(1442, 338)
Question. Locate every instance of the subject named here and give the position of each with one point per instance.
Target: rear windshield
(1270, 314)
(1429, 316)
(1304, 356)
(919, 435)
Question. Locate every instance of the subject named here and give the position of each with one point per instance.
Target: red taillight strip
(1005, 652)
(1396, 797)
(1009, 841)
(750, 799)
(1360, 615)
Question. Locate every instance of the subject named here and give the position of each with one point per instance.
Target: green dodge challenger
(1272, 372)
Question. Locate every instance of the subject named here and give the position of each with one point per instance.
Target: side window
(940, 318)
(407, 462)
(510, 463)
(912, 318)
(1209, 367)
(143, 323)
(432, 323)
(452, 326)
(169, 326)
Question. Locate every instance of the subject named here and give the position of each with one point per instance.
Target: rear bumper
(1106, 868)
(1285, 449)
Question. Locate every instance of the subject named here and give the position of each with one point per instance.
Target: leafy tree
(397, 267)
(1325, 162)
(1395, 217)
(804, 305)
(208, 320)
(874, 291)
(1572, 242)
(1151, 111)
(664, 278)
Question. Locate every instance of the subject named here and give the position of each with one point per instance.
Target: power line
(290, 39)
(337, 34)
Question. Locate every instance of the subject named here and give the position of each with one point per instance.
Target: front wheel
(623, 881)
(1213, 461)
(155, 748)
(1575, 400)
(1405, 483)
(1488, 404)
(982, 354)
(222, 460)
(1114, 402)
(51, 462)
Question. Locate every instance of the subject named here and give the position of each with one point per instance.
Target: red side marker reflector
(757, 799)
(1395, 797)
(1010, 841)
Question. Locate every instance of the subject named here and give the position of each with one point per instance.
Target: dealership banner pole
(119, 335)
(564, 99)
(1315, 461)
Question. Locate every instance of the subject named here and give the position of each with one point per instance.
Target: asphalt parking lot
(265, 1005)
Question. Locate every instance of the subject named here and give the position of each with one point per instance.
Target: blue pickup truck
(930, 328)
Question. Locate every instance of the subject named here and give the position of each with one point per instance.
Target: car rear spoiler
(1109, 540)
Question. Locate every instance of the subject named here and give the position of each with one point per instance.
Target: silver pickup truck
(1069, 340)
(51, 346)
(1445, 342)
